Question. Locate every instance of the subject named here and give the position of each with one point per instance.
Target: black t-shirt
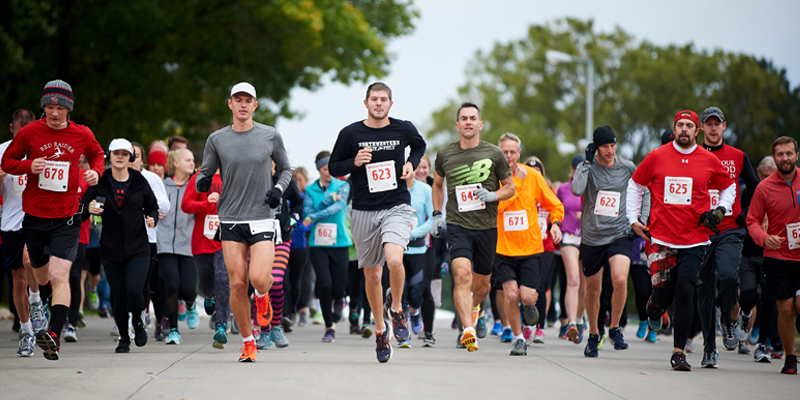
(119, 190)
(388, 144)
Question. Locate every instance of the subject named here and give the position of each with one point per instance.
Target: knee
(573, 281)
(238, 285)
(394, 261)
(512, 296)
(462, 279)
(592, 292)
(786, 308)
(529, 297)
(372, 278)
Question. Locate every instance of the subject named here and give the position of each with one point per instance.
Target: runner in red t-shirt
(48, 151)
(679, 177)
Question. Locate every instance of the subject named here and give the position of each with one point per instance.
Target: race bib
(678, 191)
(714, 195)
(467, 201)
(381, 176)
(55, 176)
(515, 221)
(19, 183)
(542, 217)
(257, 227)
(607, 203)
(325, 234)
(210, 226)
(793, 235)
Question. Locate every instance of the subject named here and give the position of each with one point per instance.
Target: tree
(639, 88)
(152, 68)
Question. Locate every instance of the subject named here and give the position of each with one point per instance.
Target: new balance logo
(684, 161)
(479, 172)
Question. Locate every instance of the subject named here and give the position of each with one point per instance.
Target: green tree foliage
(147, 69)
(638, 89)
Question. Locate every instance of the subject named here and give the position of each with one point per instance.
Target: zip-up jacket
(776, 200)
(175, 230)
(320, 207)
(197, 203)
(292, 203)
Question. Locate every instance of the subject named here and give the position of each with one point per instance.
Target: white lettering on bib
(515, 221)
(714, 195)
(325, 234)
(381, 176)
(55, 176)
(542, 217)
(210, 226)
(467, 200)
(607, 203)
(793, 235)
(19, 183)
(678, 191)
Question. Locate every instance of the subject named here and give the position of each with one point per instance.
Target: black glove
(273, 199)
(204, 184)
(710, 219)
(741, 219)
(591, 150)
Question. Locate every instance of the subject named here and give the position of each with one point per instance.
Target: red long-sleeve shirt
(779, 202)
(38, 139)
(197, 204)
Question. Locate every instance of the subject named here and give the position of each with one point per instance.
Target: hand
(213, 197)
(555, 233)
(521, 172)
(364, 156)
(408, 171)
(485, 195)
(710, 219)
(3, 174)
(273, 199)
(37, 166)
(95, 208)
(204, 184)
(773, 242)
(591, 150)
(578, 215)
(151, 223)
(307, 221)
(641, 230)
(336, 196)
(438, 223)
(161, 215)
(92, 177)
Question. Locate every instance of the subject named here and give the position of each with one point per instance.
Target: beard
(786, 168)
(684, 140)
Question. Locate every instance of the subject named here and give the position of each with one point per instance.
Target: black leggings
(432, 271)
(357, 293)
(126, 280)
(545, 267)
(179, 274)
(330, 265)
(155, 285)
(415, 278)
(293, 286)
(562, 279)
(682, 293)
(75, 285)
(642, 286)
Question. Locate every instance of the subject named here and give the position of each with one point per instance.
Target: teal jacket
(322, 207)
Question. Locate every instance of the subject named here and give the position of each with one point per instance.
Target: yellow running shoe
(469, 340)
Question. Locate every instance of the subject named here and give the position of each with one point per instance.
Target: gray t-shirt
(245, 160)
(599, 224)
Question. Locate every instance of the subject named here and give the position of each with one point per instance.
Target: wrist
(557, 223)
(437, 213)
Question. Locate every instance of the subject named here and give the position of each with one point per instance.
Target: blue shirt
(321, 207)
(422, 203)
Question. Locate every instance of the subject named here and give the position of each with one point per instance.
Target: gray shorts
(371, 229)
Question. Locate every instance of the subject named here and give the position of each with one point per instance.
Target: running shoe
(642, 331)
(689, 348)
(615, 334)
(572, 333)
(234, 326)
(581, 330)
(527, 332)
(383, 343)
(469, 340)
(192, 317)
(760, 354)
(405, 345)
(256, 332)
(220, 337)
(416, 323)
(520, 348)
(743, 327)
(94, 299)
(777, 354)
(181, 311)
(754, 335)
(104, 311)
(210, 305)
(480, 326)
(355, 329)
(429, 340)
(161, 330)
(302, 319)
(460, 345)
(652, 336)
(263, 310)
(661, 323)
(507, 336)
(277, 336)
(591, 346)
(316, 319)
(70, 334)
(140, 335)
(399, 326)
(790, 365)
(124, 346)
(263, 342)
(679, 363)
(49, 342)
(174, 338)
(81, 320)
(744, 348)
(602, 341)
(729, 340)
(709, 359)
(248, 351)
(530, 315)
(26, 346)
(286, 323)
(538, 337)
(330, 336)
(38, 317)
(366, 332)
(497, 329)
(338, 306)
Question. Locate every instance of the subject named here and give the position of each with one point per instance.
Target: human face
(56, 115)
(469, 123)
(511, 149)
(120, 159)
(17, 125)
(137, 163)
(157, 169)
(324, 175)
(378, 104)
(423, 169)
(185, 163)
(763, 173)
(178, 145)
(785, 157)
(712, 130)
(242, 105)
(607, 152)
(301, 182)
(685, 133)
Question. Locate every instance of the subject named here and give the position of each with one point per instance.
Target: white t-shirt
(157, 185)
(11, 219)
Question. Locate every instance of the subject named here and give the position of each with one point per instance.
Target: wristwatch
(557, 223)
(437, 212)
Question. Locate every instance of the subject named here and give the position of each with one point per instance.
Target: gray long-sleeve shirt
(597, 227)
(245, 160)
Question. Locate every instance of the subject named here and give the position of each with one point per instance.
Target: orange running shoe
(572, 333)
(263, 310)
(469, 340)
(249, 351)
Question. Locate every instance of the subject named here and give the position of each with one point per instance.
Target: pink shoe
(538, 337)
(526, 332)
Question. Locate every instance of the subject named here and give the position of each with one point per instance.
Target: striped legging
(276, 295)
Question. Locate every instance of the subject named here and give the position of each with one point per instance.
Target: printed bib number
(793, 235)
(542, 217)
(55, 176)
(678, 191)
(325, 235)
(210, 226)
(467, 200)
(19, 183)
(381, 176)
(607, 203)
(515, 221)
(714, 195)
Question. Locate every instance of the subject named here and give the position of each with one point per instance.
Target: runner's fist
(203, 184)
(273, 199)
(37, 166)
(591, 149)
(485, 195)
(364, 156)
(92, 177)
(438, 223)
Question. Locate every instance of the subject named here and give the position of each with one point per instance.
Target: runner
(243, 152)
(372, 151)
(52, 146)
(775, 198)
(606, 237)
(475, 170)
(571, 254)
(679, 177)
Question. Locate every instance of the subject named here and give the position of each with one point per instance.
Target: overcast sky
(429, 64)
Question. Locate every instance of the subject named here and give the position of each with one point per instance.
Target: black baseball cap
(712, 112)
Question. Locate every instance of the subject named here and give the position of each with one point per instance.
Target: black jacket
(292, 203)
(124, 236)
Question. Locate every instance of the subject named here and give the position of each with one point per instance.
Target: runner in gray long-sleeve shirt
(244, 152)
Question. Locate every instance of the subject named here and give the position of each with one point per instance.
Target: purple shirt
(572, 205)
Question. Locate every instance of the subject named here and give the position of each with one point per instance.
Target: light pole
(556, 57)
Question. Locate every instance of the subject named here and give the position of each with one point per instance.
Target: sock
(400, 311)
(27, 328)
(247, 339)
(257, 293)
(58, 315)
(377, 332)
(520, 336)
(415, 313)
(506, 327)
(33, 297)
(571, 323)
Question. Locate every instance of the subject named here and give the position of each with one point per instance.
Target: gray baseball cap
(712, 112)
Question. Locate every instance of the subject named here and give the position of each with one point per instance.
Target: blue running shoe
(642, 332)
(277, 337)
(562, 332)
(210, 305)
(220, 337)
(405, 345)
(507, 336)
(652, 336)
(192, 317)
(497, 329)
(416, 323)
(264, 341)
(480, 328)
(618, 339)
(174, 338)
(591, 346)
(581, 330)
(399, 326)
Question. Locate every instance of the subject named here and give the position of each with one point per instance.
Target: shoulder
(424, 187)
(270, 131)
(219, 132)
(447, 149)
(627, 164)
(403, 124)
(352, 128)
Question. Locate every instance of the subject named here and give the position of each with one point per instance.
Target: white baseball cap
(120, 144)
(243, 87)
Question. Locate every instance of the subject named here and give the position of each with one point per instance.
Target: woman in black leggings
(124, 249)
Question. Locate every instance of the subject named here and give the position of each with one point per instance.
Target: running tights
(546, 265)
(180, 281)
(279, 266)
(127, 280)
(214, 283)
(642, 286)
(330, 265)
(682, 293)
